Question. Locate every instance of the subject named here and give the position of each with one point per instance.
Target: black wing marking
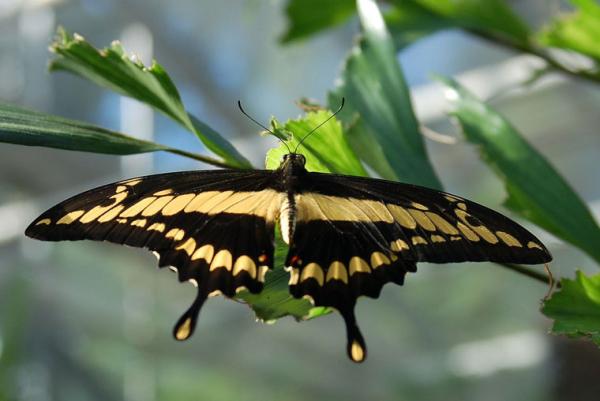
(216, 228)
(354, 234)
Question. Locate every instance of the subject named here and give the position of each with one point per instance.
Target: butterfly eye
(301, 159)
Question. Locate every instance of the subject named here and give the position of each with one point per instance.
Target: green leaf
(578, 31)
(408, 22)
(536, 191)
(114, 69)
(491, 17)
(575, 309)
(360, 138)
(326, 150)
(30, 128)
(275, 301)
(374, 87)
(26, 127)
(306, 17)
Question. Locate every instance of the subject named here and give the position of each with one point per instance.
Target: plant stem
(204, 159)
(527, 272)
(531, 49)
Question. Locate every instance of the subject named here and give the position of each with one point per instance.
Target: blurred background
(92, 321)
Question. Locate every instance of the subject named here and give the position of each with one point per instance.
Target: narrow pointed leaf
(536, 191)
(30, 128)
(116, 70)
(26, 127)
(575, 309)
(374, 86)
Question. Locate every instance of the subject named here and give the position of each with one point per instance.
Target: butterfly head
(293, 162)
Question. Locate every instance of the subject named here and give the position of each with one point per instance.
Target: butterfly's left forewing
(353, 235)
(216, 228)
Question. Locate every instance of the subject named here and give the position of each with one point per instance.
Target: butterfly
(347, 236)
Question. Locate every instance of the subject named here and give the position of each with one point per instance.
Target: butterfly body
(347, 236)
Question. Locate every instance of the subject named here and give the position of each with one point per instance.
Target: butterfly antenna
(262, 126)
(319, 126)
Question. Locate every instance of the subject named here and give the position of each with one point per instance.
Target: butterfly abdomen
(287, 217)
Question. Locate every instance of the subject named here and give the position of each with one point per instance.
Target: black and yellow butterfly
(347, 236)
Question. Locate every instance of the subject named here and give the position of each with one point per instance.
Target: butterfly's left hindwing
(216, 228)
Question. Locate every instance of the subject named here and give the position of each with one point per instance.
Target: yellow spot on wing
(157, 227)
(184, 329)
(418, 206)
(462, 205)
(379, 259)
(223, 258)
(163, 192)
(44, 221)
(139, 223)
(437, 238)
(358, 265)
(157, 205)
(313, 206)
(481, 230)
(467, 232)
(402, 216)
(98, 211)
(294, 276)
(188, 246)
(137, 207)
(70, 217)
(111, 214)
(422, 219)
(314, 271)
(131, 183)
(244, 263)
(263, 203)
(357, 353)
(121, 188)
(452, 198)
(508, 239)
(532, 245)
(417, 239)
(337, 271)
(442, 224)
(486, 234)
(262, 272)
(175, 233)
(399, 245)
(177, 204)
(205, 252)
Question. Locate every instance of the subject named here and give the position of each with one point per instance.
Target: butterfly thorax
(292, 171)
